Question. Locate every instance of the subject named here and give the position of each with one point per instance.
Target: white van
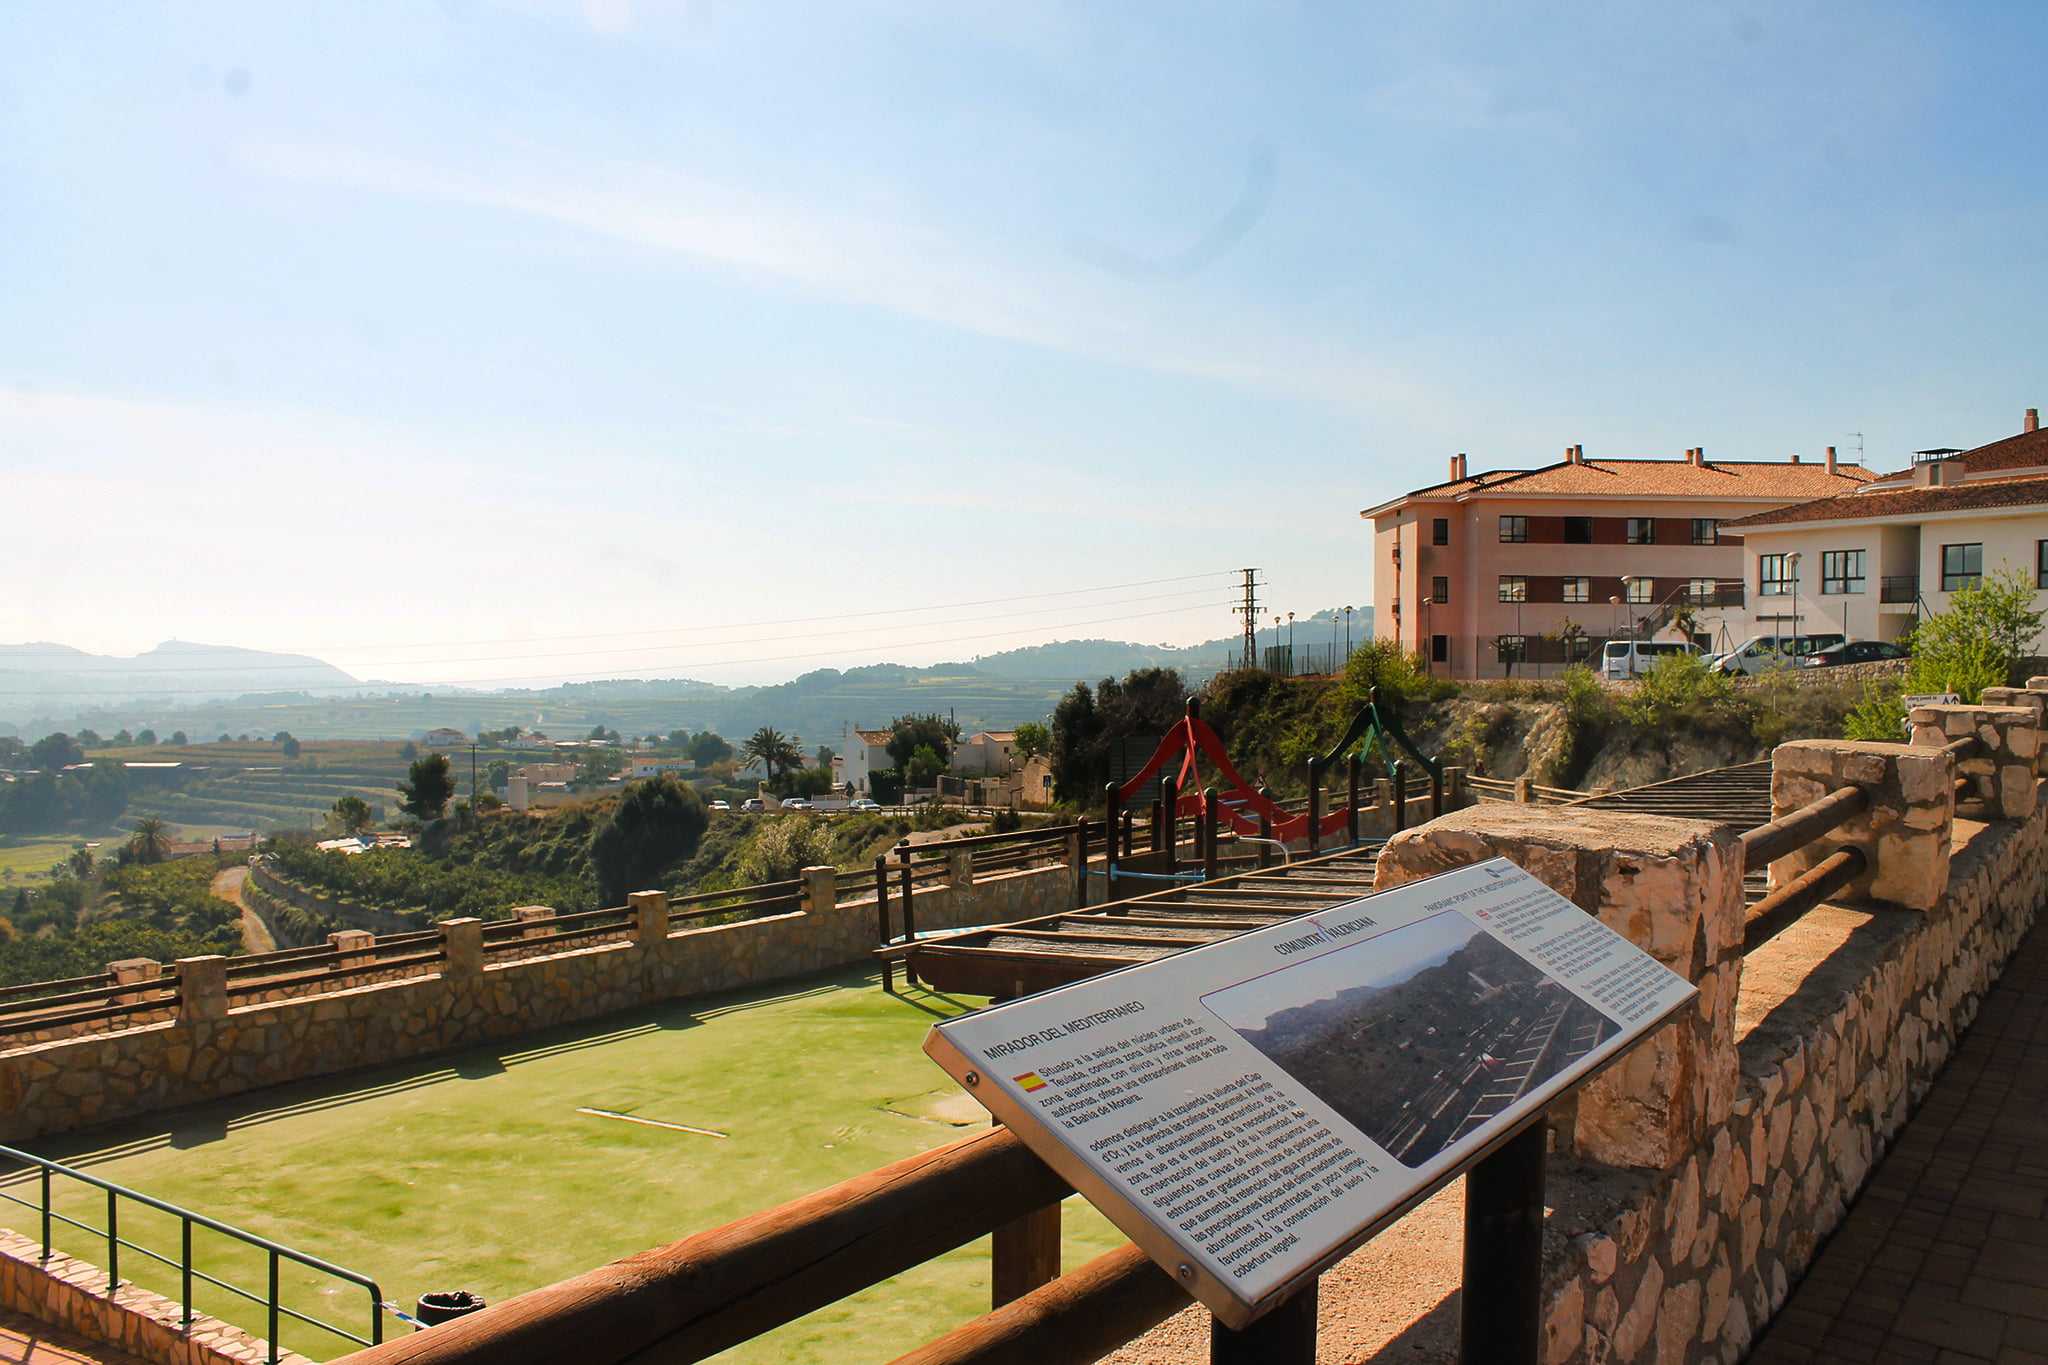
(1760, 652)
(1632, 658)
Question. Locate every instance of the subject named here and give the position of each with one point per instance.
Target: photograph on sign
(1418, 1036)
(1249, 1110)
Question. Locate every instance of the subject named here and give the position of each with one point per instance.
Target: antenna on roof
(1859, 446)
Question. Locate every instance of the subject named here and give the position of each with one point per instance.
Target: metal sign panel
(1251, 1110)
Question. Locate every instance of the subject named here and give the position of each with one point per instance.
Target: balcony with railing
(1899, 589)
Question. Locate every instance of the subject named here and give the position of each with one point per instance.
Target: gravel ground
(1391, 1302)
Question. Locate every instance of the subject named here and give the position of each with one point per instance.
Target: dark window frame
(1511, 649)
(1440, 589)
(1648, 588)
(1578, 530)
(1773, 576)
(1514, 530)
(1514, 587)
(1581, 583)
(1835, 578)
(1440, 531)
(1712, 528)
(1956, 579)
(1640, 530)
(1440, 649)
(2041, 563)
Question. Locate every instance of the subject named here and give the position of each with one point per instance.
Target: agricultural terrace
(477, 1169)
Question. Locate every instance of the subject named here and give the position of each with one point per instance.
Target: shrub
(1679, 689)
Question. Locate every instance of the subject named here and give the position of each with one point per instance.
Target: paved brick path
(1944, 1258)
(24, 1341)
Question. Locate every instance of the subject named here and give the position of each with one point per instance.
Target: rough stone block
(1673, 887)
(1903, 833)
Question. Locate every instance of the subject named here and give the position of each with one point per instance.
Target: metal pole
(273, 1309)
(1284, 1336)
(1081, 863)
(1315, 806)
(1212, 805)
(1352, 822)
(1169, 825)
(1265, 839)
(46, 1213)
(113, 1243)
(882, 916)
(1112, 837)
(1436, 791)
(1502, 1301)
(1400, 771)
(185, 1270)
(909, 916)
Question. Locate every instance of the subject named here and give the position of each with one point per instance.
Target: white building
(654, 767)
(1868, 564)
(860, 753)
(990, 751)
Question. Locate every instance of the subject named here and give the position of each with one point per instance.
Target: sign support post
(1286, 1335)
(1500, 1310)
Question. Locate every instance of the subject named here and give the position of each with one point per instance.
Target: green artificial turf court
(474, 1169)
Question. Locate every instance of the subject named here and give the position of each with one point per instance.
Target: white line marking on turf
(654, 1123)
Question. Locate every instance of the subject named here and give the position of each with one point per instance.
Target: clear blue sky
(454, 340)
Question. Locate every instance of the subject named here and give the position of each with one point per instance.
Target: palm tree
(774, 751)
(151, 842)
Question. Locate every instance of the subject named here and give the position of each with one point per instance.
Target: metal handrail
(188, 1220)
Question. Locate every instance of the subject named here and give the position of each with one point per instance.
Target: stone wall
(347, 912)
(70, 1294)
(210, 1050)
(1676, 1236)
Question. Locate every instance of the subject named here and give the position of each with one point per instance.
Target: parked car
(1760, 652)
(863, 803)
(1855, 652)
(796, 803)
(1632, 658)
(754, 805)
(722, 805)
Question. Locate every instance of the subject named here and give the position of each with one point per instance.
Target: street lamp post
(1792, 563)
(1347, 632)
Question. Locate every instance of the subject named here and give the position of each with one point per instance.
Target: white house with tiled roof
(1528, 569)
(861, 752)
(1871, 562)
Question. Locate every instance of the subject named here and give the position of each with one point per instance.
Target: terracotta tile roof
(1661, 478)
(876, 736)
(1895, 502)
(2028, 450)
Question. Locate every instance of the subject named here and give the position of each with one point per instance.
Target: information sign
(1249, 1111)
(1913, 699)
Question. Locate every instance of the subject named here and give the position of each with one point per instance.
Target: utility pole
(475, 806)
(1250, 612)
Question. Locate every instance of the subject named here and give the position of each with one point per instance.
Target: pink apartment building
(1524, 570)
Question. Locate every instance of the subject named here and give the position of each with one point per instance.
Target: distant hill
(46, 677)
(210, 689)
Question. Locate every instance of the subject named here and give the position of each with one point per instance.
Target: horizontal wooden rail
(1781, 909)
(1082, 1316)
(694, 1298)
(1050, 834)
(1796, 829)
(33, 988)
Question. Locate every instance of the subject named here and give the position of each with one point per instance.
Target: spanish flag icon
(1031, 1081)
